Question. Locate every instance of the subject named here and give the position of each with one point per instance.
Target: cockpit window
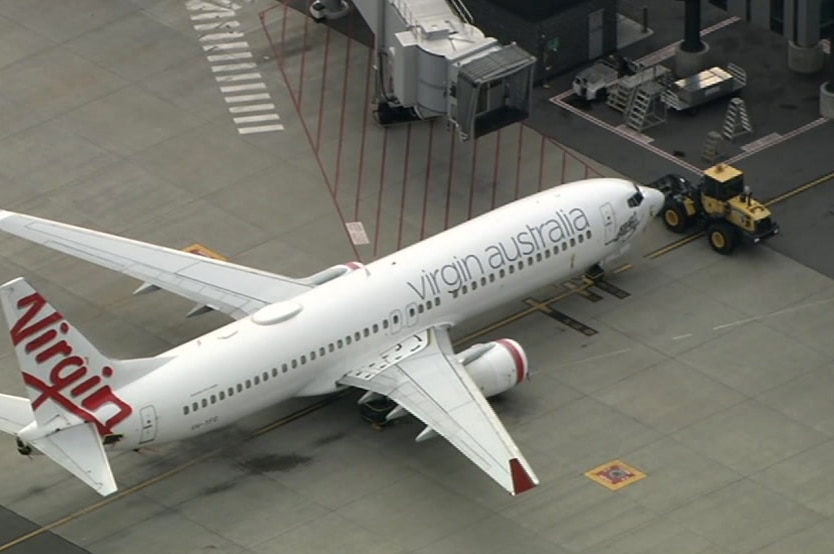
(636, 199)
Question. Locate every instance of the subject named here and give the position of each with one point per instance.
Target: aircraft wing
(232, 289)
(422, 375)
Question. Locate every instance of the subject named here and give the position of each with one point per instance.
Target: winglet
(522, 481)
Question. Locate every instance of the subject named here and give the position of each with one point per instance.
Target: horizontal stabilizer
(15, 413)
(78, 449)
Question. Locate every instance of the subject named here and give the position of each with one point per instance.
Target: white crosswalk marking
(221, 42)
(232, 67)
(238, 77)
(252, 108)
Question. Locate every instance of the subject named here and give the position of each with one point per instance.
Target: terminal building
(562, 34)
(803, 22)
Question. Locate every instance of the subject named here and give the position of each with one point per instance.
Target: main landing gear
(376, 412)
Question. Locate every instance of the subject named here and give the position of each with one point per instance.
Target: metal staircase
(736, 122)
(645, 108)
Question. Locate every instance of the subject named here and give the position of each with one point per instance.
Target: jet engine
(496, 366)
(331, 273)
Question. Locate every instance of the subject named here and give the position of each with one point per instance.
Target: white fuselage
(303, 346)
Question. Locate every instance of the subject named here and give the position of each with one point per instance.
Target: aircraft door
(609, 219)
(147, 415)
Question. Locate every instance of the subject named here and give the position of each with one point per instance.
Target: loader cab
(722, 182)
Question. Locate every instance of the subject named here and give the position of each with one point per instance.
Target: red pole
(428, 181)
(344, 105)
(365, 113)
(405, 185)
(449, 183)
(381, 187)
(303, 61)
(323, 88)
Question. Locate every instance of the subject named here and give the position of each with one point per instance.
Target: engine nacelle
(331, 273)
(495, 367)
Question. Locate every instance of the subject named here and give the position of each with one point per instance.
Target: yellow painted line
(800, 189)
(674, 246)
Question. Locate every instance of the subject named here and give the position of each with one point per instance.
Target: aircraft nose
(654, 198)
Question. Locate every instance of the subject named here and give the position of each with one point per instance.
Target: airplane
(381, 327)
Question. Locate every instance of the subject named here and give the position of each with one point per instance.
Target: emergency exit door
(610, 221)
(148, 417)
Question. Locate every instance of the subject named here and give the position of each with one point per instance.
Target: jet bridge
(432, 62)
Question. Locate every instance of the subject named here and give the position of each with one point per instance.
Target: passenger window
(502, 273)
(564, 246)
(539, 257)
(195, 407)
(231, 391)
(512, 269)
(464, 289)
(384, 323)
(222, 395)
(204, 403)
(588, 233)
(275, 372)
(185, 410)
(339, 343)
(411, 311)
(420, 309)
(547, 253)
(581, 238)
(331, 347)
(312, 355)
(265, 376)
(474, 285)
(240, 387)
(437, 301)
(572, 242)
(322, 351)
(257, 380)
(520, 265)
(375, 328)
(284, 368)
(213, 399)
(366, 331)
(248, 384)
(303, 360)
(492, 277)
(348, 339)
(396, 319)
(483, 281)
(530, 260)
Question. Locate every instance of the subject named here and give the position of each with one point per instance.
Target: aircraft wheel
(722, 237)
(675, 217)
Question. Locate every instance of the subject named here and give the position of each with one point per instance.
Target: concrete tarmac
(710, 375)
